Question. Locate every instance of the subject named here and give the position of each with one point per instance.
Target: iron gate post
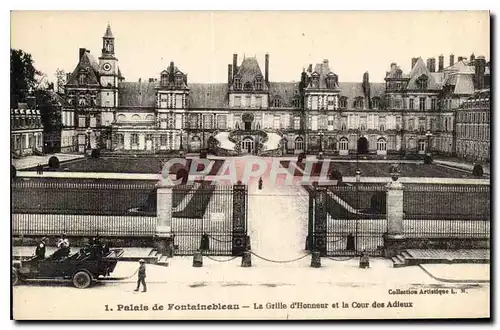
(240, 194)
(310, 223)
(320, 209)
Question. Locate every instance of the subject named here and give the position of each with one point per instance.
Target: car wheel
(82, 280)
(15, 277)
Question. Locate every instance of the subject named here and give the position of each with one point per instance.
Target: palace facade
(249, 113)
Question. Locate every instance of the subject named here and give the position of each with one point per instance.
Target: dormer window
(296, 101)
(358, 103)
(81, 79)
(248, 87)
(258, 83)
(277, 102)
(315, 81)
(164, 79)
(376, 103)
(343, 102)
(178, 80)
(331, 81)
(422, 82)
(237, 84)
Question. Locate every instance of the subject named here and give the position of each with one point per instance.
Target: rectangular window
(381, 123)
(258, 102)
(237, 101)
(248, 101)
(397, 103)
(277, 122)
(221, 121)
(421, 104)
(412, 104)
(330, 121)
(296, 122)
(178, 101)
(411, 124)
(93, 121)
(207, 121)
(433, 104)
(81, 121)
(314, 103)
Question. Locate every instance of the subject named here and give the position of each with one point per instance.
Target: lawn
(382, 170)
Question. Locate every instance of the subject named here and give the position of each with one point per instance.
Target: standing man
(141, 276)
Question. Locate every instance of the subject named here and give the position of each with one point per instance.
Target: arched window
(136, 117)
(343, 102)
(344, 144)
(120, 118)
(277, 102)
(150, 117)
(248, 87)
(422, 82)
(381, 144)
(299, 143)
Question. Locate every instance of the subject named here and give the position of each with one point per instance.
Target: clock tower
(108, 72)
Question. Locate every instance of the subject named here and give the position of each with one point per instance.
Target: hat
(43, 239)
(141, 261)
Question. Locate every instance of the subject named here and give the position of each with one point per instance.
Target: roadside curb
(445, 280)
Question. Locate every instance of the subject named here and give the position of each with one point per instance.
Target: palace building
(249, 113)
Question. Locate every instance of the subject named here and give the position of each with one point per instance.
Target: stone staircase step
(401, 258)
(406, 255)
(162, 261)
(397, 263)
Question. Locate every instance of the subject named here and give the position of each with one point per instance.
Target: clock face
(106, 67)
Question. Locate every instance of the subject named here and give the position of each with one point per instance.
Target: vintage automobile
(82, 268)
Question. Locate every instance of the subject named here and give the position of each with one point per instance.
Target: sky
(202, 44)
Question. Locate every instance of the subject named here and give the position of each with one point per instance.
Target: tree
(60, 80)
(23, 76)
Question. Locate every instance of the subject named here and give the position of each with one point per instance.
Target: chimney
(366, 88)
(393, 66)
(441, 63)
(433, 64)
(452, 59)
(82, 51)
(172, 71)
(414, 61)
(429, 64)
(140, 80)
(366, 78)
(151, 80)
(266, 68)
(229, 74)
(460, 58)
(31, 102)
(472, 58)
(235, 64)
(480, 67)
(310, 68)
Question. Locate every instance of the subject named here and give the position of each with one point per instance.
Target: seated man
(63, 249)
(40, 250)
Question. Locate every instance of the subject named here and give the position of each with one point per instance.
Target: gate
(210, 218)
(347, 220)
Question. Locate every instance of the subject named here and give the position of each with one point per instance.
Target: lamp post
(358, 180)
(428, 135)
(181, 148)
(321, 141)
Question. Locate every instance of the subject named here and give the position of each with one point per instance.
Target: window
(258, 102)
(412, 104)
(120, 139)
(163, 140)
(411, 124)
(81, 79)
(381, 124)
(248, 87)
(398, 103)
(296, 101)
(314, 102)
(343, 144)
(296, 122)
(150, 117)
(421, 124)
(343, 102)
(81, 101)
(330, 121)
(358, 103)
(81, 121)
(299, 143)
(421, 146)
(398, 123)
(93, 121)
(221, 121)
(277, 102)
(178, 80)
(330, 103)
(421, 104)
(315, 81)
(375, 103)
(381, 144)
(134, 139)
(422, 82)
(179, 101)
(277, 122)
(237, 101)
(164, 79)
(237, 84)
(207, 121)
(258, 83)
(433, 104)
(248, 101)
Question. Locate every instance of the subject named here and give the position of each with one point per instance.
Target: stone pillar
(163, 236)
(394, 240)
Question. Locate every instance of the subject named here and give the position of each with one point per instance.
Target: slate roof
(323, 69)
(285, 90)
(137, 94)
(203, 95)
(248, 70)
(418, 70)
(89, 63)
(108, 33)
(352, 90)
